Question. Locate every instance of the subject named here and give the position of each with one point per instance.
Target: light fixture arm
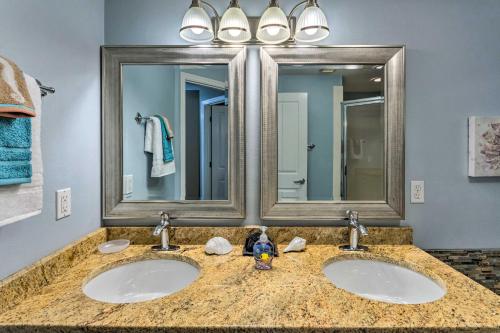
(214, 12)
(289, 18)
(212, 8)
(295, 8)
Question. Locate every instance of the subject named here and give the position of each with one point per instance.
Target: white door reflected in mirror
(292, 146)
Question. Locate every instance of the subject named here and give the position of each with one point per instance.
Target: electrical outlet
(63, 203)
(417, 191)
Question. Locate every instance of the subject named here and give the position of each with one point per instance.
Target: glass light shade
(273, 26)
(311, 25)
(196, 26)
(234, 27)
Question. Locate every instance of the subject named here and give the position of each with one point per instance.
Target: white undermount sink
(382, 281)
(141, 281)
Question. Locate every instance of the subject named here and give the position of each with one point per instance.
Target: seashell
(218, 245)
(297, 244)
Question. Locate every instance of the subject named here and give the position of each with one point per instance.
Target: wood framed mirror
(173, 132)
(332, 132)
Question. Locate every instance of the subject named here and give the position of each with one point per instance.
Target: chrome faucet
(355, 229)
(163, 229)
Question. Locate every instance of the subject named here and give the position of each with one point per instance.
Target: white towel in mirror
(153, 144)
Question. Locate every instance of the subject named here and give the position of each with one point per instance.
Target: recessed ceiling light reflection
(353, 67)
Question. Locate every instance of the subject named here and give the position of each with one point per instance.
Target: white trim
(338, 98)
(203, 81)
(214, 101)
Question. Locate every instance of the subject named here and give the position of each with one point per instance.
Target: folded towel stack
(25, 200)
(15, 151)
(15, 100)
(16, 104)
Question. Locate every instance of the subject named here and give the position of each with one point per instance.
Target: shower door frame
(345, 105)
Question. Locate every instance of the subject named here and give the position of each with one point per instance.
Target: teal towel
(15, 151)
(168, 155)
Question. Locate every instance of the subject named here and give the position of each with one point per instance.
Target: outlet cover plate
(63, 203)
(417, 191)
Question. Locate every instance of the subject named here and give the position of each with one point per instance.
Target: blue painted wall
(57, 41)
(453, 52)
(319, 89)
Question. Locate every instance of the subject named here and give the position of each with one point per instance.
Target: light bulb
(311, 31)
(272, 30)
(234, 32)
(197, 31)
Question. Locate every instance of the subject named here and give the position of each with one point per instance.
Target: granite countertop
(231, 296)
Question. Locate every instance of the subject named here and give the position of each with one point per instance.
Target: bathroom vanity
(229, 295)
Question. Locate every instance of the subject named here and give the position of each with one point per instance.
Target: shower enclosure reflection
(179, 149)
(363, 149)
(331, 132)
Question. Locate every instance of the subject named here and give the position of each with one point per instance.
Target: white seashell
(297, 244)
(218, 245)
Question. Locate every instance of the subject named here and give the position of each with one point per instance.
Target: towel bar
(139, 118)
(45, 90)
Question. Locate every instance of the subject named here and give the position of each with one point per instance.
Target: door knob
(300, 182)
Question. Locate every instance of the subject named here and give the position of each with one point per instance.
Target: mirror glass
(331, 133)
(177, 149)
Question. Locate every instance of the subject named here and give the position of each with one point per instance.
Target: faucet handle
(352, 214)
(165, 217)
(363, 230)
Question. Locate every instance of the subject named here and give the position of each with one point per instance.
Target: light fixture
(312, 25)
(196, 25)
(234, 27)
(378, 67)
(273, 25)
(376, 79)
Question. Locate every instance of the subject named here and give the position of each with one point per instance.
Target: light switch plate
(417, 191)
(128, 185)
(63, 203)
